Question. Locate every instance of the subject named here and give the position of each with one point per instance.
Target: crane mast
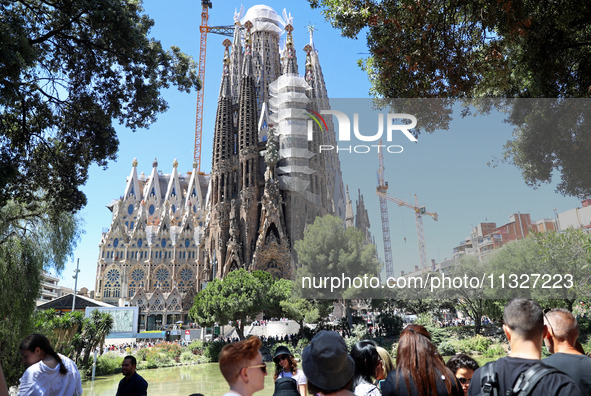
(382, 189)
(204, 28)
(420, 211)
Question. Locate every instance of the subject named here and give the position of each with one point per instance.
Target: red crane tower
(204, 28)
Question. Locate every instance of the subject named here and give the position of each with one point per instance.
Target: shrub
(495, 350)
(478, 343)
(212, 350)
(188, 357)
(447, 348)
(108, 363)
(196, 347)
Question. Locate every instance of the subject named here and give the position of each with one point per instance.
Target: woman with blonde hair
(419, 368)
(385, 366)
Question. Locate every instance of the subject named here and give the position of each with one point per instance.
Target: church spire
(349, 217)
(247, 69)
(247, 115)
(226, 87)
(291, 66)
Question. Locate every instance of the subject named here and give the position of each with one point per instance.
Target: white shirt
(42, 380)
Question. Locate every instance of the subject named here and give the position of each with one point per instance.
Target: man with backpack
(522, 373)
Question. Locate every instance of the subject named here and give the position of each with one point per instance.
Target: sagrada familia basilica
(172, 233)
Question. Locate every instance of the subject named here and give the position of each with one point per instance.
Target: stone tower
(267, 180)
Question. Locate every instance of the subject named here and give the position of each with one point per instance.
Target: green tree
(68, 70)
(328, 249)
(476, 49)
(560, 259)
(96, 328)
(237, 297)
(29, 243)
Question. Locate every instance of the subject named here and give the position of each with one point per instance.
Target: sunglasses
(282, 357)
(464, 381)
(263, 367)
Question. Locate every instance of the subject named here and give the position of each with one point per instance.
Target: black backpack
(523, 386)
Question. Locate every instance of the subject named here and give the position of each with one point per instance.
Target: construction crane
(420, 211)
(204, 28)
(383, 189)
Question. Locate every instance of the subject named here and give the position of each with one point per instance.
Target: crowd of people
(329, 369)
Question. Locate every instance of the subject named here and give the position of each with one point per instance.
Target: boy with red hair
(241, 364)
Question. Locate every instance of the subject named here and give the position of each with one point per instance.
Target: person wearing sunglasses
(287, 367)
(242, 365)
(463, 367)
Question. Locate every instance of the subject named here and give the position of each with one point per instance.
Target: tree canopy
(328, 249)
(68, 70)
(481, 49)
(237, 297)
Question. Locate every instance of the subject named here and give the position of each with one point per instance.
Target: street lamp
(75, 283)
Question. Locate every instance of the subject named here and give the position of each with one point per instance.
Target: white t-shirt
(298, 376)
(42, 380)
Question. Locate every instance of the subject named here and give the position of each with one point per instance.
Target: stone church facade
(173, 233)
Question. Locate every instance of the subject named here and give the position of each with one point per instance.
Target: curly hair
(293, 367)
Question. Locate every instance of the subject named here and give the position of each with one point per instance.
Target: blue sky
(447, 170)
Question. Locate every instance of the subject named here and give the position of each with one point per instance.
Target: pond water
(176, 381)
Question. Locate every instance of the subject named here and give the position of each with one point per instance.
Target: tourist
(241, 364)
(366, 358)
(419, 368)
(385, 365)
(463, 367)
(132, 384)
(523, 324)
(327, 365)
(286, 386)
(561, 341)
(287, 367)
(48, 373)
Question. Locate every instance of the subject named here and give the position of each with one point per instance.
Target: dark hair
(133, 360)
(35, 341)
(461, 360)
(366, 358)
(293, 366)
(417, 359)
(525, 317)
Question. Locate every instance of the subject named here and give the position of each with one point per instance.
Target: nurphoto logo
(394, 125)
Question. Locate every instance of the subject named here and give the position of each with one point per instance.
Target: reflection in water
(176, 381)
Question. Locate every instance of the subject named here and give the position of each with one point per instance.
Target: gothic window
(115, 242)
(151, 209)
(137, 274)
(140, 242)
(130, 209)
(186, 279)
(117, 289)
(112, 275)
(162, 275)
(187, 242)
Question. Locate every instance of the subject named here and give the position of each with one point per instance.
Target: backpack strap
(489, 380)
(529, 379)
